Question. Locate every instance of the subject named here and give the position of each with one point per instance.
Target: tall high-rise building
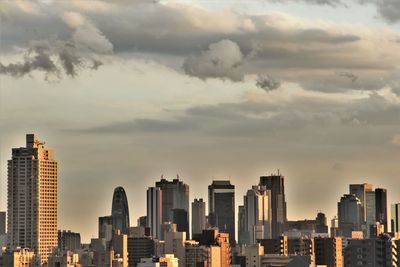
(32, 198)
(198, 216)
(275, 183)
(154, 211)
(381, 207)
(360, 191)
(2, 222)
(395, 219)
(257, 205)
(120, 211)
(69, 241)
(321, 223)
(349, 215)
(175, 195)
(179, 217)
(221, 202)
(370, 210)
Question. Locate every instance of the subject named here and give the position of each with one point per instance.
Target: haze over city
(128, 91)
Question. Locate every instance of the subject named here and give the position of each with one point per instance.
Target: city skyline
(128, 91)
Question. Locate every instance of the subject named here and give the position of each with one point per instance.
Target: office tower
(68, 240)
(120, 247)
(350, 214)
(328, 251)
(2, 222)
(138, 248)
(360, 191)
(105, 227)
(369, 252)
(142, 221)
(371, 212)
(198, 216)
(31, 194)
(321, 223)
(394, 221)
(257, 205)
(154, 211)
(334, 227)
(175, 195)
(275, 183)
(221, 203)
(120, 211)
(179, 217)
(242, 231)
(381, 207)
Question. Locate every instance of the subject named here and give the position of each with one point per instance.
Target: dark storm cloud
(267, 83)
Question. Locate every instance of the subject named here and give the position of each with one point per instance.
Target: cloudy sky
(125, 91)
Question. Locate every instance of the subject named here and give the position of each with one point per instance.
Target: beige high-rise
(32, 198)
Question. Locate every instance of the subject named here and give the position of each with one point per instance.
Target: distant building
(154, 211)
(221, 202)
(253, 255)
(64, 259)
(120, 247)
(69, 241)
(32, 168)
(198, 216)
(381, 207)
(301, 246)
(105, 227)
(218, 245)
(180, 218)
(2, 222)
(350, 213)
(258, 214)
(334, 227)
(328, 251)
(395, 219)
(195, 254)
(175, 244)
(275, 183)
(321, 223)
(120, 211)
(142, 221)
(175, 195)
(139, 248)
(278, 245)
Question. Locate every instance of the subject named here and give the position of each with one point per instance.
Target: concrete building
(370, 213)
(106, 227)
(221, 203)
(31, 193)
(168, 260)
(301, 246)
(18, 258)
(154, 211)
(321, 223)
(139, 248)
(276, 184)
(278, 245)
(175, 244)
(376, 252)
(195, 254)
(328, 251)
(253, 255)
(64, 259)
(218, 245)
(180, 218)
(198, 216)
(258, 215)
(69, 241)
(286, 261)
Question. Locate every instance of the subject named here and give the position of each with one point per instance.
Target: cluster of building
(177, 232)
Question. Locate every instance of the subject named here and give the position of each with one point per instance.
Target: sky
(128, 91)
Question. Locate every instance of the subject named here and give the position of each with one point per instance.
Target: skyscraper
(360, 191)
(221, 202)
(32, 198)
(371, 210)
(2, 222)
(381, 207)
(394, 221)
(257, 205)
(350, 214)
(120, 211)
(275, 183)
(198, 216)
(175, 195)
(321, 223)
(179, 217)
(154, 211)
